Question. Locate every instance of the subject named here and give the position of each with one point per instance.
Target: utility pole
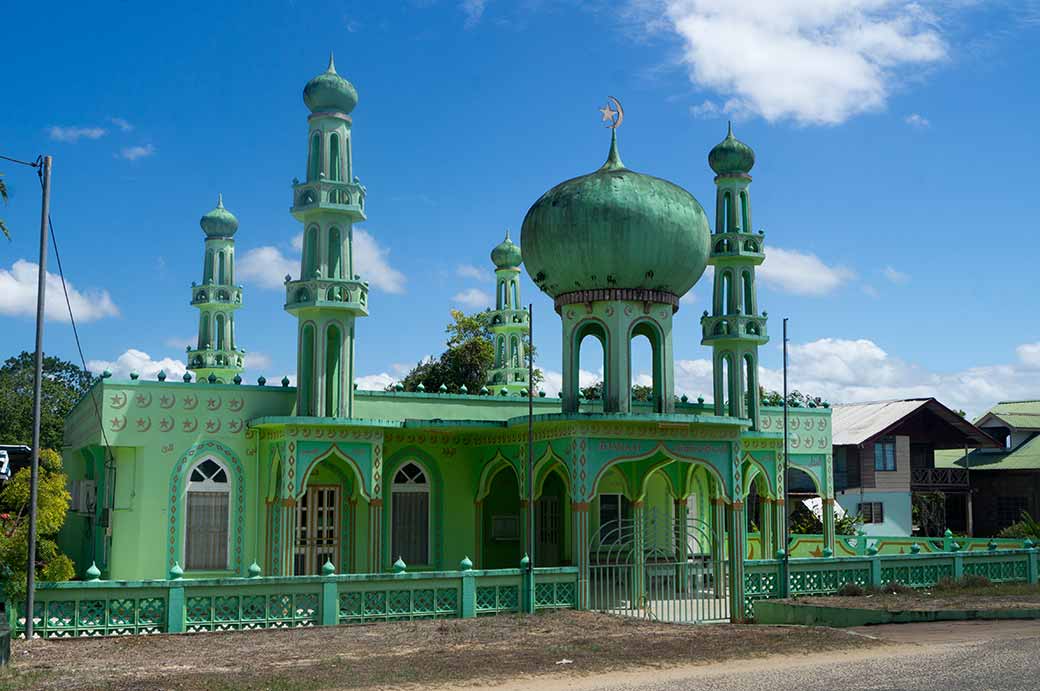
(530, 435)
(787, 510)
(34, 477)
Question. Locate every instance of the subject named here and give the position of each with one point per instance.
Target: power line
(34, 164)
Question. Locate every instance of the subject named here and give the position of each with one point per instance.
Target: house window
(410, 523)
(206, 517)
(614, 511)
(871, 511)
(885, 454)
(1009, 510)
(505, 528)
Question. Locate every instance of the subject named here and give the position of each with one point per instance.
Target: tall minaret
(508, 322)
(217, 353)
(328, 296)
(735, 328)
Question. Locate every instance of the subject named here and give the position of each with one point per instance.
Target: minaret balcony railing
(750, 245)
(508, 317)
(205, 358)
(219, 294)
(734, 327)
(327, 194)
(336, 293)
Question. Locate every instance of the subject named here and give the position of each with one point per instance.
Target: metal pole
(971, 509)
(41, 286)
(787, 509)
(530, 435)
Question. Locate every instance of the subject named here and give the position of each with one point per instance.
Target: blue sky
(896, 148)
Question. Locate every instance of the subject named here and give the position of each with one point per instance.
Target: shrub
(852, 590)
(895, 588)
(969, 581)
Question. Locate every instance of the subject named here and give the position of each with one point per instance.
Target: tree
(64, 383)
(52, 505)
(795, 399)
(3, 198)
(805, 522)
(469, 356)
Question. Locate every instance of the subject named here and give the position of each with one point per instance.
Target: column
(766, 519)
(288, 542)
(681, 545)
(736, 563)
(580, 549)
(638, 556)
(780, 519)
(828, 524)
(718, 544)
(375, 535)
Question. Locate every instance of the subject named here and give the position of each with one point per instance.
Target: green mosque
(215, 477)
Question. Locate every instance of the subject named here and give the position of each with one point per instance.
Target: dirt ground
(482, 652)
(986, 597)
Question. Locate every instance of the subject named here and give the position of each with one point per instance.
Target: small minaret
(216, 353)
(508, 321)
(329, 295)
(735, 328)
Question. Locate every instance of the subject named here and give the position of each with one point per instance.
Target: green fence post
(526, 586)
(783, 577)
(468, 606)
(1032, 565)
(329, 596)
(947, 540)
(175, 601)
(958, 566)
(875, 570)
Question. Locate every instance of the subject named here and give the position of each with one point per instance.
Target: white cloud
(122, 124)
(1029, 355)
(707, 110)
(132, 153)
(375, 382)
(552, 381)
(474, 10)
(372, 263)
(257, 361)
(266, 267)
(134, 360)
(474, 272)
(18, 296)
(918, 121)
(849, 371)
(473, 297)
(693, 378)
(895, 276)
(811, 61)
(801, 273)
(73, 134)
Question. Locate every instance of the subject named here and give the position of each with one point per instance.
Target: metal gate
(658, 568)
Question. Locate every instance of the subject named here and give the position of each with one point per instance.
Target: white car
(5, 465)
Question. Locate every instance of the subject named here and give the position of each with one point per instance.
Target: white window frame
(207, 485)
(411, 487)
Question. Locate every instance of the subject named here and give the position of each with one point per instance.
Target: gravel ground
(990, 597)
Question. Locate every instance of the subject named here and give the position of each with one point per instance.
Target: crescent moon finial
(613, 113)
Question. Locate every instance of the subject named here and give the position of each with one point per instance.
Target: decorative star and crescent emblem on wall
(613, 114)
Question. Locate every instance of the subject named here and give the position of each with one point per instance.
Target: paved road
(998, 656)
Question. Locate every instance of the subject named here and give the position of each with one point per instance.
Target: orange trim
(580, 506)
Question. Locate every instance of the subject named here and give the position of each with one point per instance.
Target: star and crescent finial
(613, 114)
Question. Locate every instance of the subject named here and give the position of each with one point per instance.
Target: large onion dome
(506, 254)
(731, 156)
(615, 229)
(330, 92)
(219, 223)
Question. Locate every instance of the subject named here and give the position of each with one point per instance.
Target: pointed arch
(333, 370)
(314, 160)
(305, 385)
(310, 253)
(597, 329)
(335, 172)
(335, 266)
(745, 212)
(651, 330)
(748, 290)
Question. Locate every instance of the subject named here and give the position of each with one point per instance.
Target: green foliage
(64, 383)
(3, 198)
(469, 356)
(795, 399)
(1027, 528)
(805, 522)
(52, 506)
(640, 392)
(928, 511)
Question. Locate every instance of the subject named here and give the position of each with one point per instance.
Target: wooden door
(317, 530)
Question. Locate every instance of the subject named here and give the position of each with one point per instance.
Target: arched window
(333, 346)
(314, 165)
(502, 298)
(310, 253)
(221, 268)
(207, 270)
(306, 404)
(652, 335)
(206, 517)
(745, 212)
(514, 352)
(410, 522)
(749, 293)
(751, 384)
(218, 326)
(722, 294)
(722, 386)
(334, 171)
(727, 211)
(204, 334)
(335, 253)
(501, 359)
(516, 296)
(592, 360)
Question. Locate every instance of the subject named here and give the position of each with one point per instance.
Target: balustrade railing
(938, 478)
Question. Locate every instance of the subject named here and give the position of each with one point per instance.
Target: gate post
(580, 547)
(681, 546)
(765, 527)
(736, 563)
(828, 524)
(639, 556)
(718, 543)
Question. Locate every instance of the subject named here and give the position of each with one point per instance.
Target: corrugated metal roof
(1017, 414)
(1025, 457)
(854, 423)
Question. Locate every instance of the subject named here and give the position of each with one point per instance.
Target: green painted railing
(808, 545)
(103, 608)
(764, 578)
